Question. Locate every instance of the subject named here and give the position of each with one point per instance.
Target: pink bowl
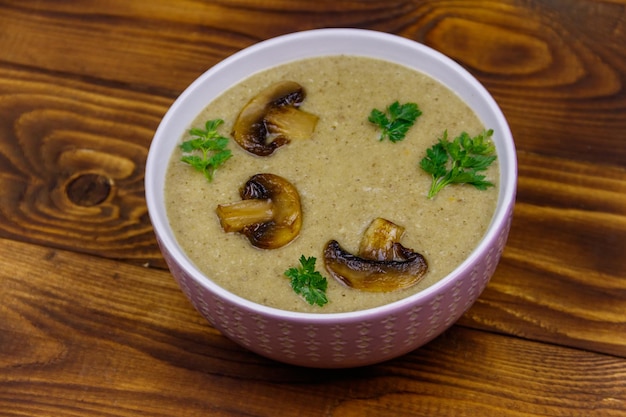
(343, 339)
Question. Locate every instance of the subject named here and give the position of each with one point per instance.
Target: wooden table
(91, 322)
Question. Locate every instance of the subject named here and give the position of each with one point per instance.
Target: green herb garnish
(206, 150)
(307, 282)
(459, 161)
(396, 121)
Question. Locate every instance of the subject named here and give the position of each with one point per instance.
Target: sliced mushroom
(273, 118)
(290, 122)
(234, 217)
(382, 264)
(378, 241)
(374, 276)
(269, 215)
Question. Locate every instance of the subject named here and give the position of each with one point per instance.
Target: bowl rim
(156, 208)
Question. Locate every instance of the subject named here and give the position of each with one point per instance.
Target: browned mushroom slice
(378, 242)
(269, 215)
(273, 118)
(234, 217)
(372, 275)
(290, 122)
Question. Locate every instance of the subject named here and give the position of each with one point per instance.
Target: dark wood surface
(91, 322)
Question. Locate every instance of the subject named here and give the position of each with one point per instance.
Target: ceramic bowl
(343, 339)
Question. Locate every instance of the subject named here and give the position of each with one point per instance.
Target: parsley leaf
(459, 161)
(308, 282)
(395, 123)
(206, 150)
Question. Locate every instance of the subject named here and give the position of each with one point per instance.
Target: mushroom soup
(345, 178)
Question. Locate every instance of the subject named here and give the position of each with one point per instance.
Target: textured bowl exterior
(343, 339)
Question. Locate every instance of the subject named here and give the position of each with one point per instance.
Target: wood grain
(167, 45)
(60, 139)
(91, 322)
(554, 77)
(562, 274)
(121, 340)
(569, 222)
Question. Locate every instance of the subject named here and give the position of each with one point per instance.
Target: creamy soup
(346, 177)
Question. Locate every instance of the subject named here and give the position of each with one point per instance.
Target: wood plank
(150, 46)
(72, 161)
(166, 45)
(562, 274)
(556, 78)
(83, 86)
(81, 335)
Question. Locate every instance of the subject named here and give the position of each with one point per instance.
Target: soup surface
(346, 177)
